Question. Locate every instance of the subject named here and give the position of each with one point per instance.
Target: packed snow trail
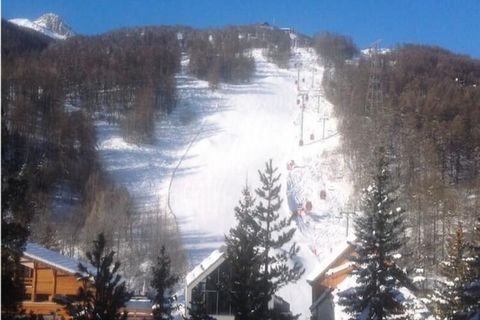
(252, 127)
(214, 143)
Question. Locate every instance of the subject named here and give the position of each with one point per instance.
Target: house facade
(324, 280)
(47, 274)
(335, 275)
(205, 279)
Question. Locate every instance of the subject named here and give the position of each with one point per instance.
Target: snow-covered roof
(53, 258)
(139, 303)
(327, 261)
(209, 261)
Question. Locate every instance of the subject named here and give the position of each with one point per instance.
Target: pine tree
(273, 234)
(197, 311)
(244, 260)
(16, 216)
(449, 291)
(378, 231)
(471, 294)
(14, 237)
(163, 282)
(103, 297)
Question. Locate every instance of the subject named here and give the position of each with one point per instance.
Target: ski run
(215, 142)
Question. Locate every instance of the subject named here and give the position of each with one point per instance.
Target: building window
(216, 297)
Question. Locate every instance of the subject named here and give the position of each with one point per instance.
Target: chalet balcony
(27, 281)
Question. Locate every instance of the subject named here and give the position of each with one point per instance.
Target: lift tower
(374, 100)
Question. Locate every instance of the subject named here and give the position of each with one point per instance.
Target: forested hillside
(430, 122)
(223, 55)
(55, 190)
(53, 92)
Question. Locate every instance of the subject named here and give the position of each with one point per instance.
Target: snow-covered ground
(214, 142)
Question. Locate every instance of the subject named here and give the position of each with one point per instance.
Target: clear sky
(452, 24)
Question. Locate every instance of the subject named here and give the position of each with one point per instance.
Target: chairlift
(323, 194)
(308, 206)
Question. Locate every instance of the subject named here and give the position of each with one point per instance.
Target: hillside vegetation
(54, 91)
(429, 120)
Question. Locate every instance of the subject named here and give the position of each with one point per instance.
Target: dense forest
(52, 92)
(224, 55)
(427, 114)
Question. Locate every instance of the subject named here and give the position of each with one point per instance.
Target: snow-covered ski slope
(214, 142)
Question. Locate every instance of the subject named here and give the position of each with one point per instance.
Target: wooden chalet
(46, 275)
(333, 271)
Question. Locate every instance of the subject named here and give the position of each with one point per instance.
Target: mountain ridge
(49, 24)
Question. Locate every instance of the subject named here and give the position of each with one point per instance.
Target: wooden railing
(27, 282)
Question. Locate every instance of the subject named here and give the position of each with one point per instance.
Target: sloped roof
(54, 259)
(328, 261)
(199, 270)
(139, 303)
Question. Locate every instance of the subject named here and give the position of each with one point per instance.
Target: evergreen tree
(163, 282)
(471, 294)
(448, 294)
(14, 237)
(273, 234)
(197, 311)
(378, 237)
(244, 260)
(103, 293)
(16, 216)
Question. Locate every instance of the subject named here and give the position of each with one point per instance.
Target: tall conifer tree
(244, 260)
(273, 234)
(163, 282)
(104, 294)
(450, 289)
(379, 233)
(471, 295)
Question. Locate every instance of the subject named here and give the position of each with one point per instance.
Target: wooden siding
(47, 281)
(44, 308)
(332, 280)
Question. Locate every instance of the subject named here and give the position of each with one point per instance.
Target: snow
(414, 307)
(204, 265)
(54, 259)
(368, 51)
(214, 142)
(327, 261)
(418, 279)
(25, 23)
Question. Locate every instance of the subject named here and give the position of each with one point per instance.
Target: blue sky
(452, 24)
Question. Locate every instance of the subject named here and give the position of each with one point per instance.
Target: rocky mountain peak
(55, 24)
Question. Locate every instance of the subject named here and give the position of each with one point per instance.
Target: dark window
(223, 303)
(212, 299)
(41, 297)
(216, 297)
(212, 280)
(26, 272)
